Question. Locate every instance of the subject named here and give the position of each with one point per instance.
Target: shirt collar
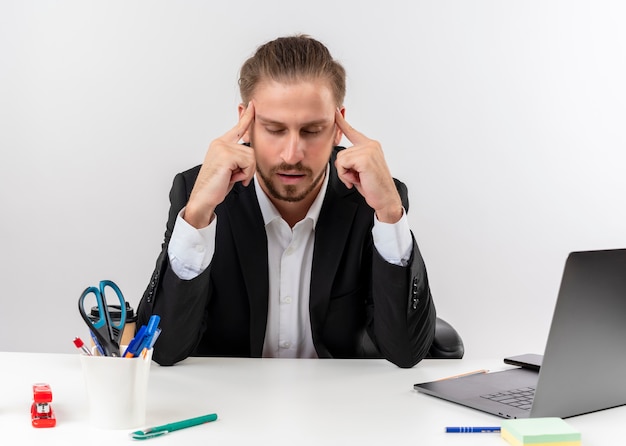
(270, 212)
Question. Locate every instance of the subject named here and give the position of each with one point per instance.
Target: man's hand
(226, 162)
(363, 166)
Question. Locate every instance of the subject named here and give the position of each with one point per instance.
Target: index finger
(237, 132)
(353, 135)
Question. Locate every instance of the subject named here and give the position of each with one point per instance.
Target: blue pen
(154, 338)
(151, 329)
(131, 350)
(153, 326)
(96, 343)
(472, 429)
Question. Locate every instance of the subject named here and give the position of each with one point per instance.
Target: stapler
(41, 411)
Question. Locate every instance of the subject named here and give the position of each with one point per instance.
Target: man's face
(292, 135)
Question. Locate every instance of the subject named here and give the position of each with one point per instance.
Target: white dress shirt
(290, 255)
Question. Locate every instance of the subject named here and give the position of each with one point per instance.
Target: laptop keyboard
(521, 398)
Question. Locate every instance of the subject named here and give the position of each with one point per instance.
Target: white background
(505, 119)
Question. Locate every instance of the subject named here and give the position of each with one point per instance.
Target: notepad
(539, 432)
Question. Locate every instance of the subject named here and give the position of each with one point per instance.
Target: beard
(290, 192)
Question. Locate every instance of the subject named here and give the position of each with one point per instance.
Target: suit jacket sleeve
(180, 303)
(403, 311)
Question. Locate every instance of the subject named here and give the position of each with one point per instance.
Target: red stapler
(41, 411)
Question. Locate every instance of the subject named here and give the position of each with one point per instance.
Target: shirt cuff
(393, 241)
(190, 250)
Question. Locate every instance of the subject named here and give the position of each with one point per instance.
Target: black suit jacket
(355, 293)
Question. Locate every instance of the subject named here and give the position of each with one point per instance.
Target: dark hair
(292, 59)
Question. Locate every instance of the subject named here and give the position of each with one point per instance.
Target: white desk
(269, 402)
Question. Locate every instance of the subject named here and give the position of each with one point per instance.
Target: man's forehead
(304, 102)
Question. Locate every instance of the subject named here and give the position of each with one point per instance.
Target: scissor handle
(84, 312)
(103, 329)
(119, 326)
(100, 328)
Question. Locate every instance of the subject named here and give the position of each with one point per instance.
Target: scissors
(106, 332)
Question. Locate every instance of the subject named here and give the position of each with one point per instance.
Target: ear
(338, 132)
(241, 109)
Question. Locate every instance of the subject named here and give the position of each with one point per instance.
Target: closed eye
(274, 131)
(312, 131)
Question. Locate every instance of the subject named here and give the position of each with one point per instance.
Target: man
(282, 244)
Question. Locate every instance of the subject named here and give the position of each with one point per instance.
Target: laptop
(584, 363)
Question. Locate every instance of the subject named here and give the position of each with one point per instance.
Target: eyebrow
(266, 121)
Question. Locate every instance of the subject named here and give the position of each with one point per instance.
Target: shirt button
(200, 248)
(287, 300)
(285, 344)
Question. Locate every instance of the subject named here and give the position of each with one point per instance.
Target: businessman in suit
(284, 244)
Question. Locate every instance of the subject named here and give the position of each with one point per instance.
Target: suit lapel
(250, 240)
(330, 240)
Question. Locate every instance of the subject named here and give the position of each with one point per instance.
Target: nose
(293, 152)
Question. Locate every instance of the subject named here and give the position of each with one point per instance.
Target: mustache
(298, 167)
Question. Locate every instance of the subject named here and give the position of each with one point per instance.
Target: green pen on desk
(157, 431)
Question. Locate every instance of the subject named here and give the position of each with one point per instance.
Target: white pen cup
(116, 389)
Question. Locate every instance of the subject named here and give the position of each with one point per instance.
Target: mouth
(290, 177)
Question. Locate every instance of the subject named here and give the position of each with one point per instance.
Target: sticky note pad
(539, 432)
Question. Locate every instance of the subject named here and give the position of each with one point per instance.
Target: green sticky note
(539, 430)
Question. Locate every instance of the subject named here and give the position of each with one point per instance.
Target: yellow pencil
(475, 372)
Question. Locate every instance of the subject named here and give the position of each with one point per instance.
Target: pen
(154, 338)
(133, 345)
(474, 430)
(78, 342)
(153, 326)
(156, 431)
(145, 337)
(475, 372)
(96, 343)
